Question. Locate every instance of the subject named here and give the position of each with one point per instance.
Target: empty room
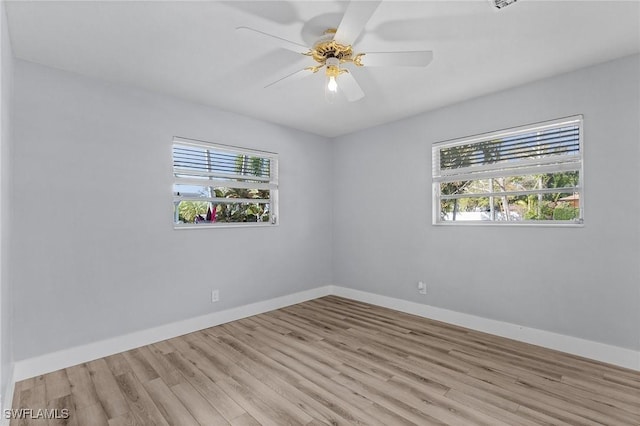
(320, 212)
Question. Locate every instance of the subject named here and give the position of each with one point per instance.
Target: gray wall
(95, 255)
(95, 252)
(583, 282)
(6, 75)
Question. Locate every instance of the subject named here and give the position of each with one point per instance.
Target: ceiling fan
(334, 49)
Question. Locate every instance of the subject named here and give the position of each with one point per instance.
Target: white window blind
(529, 174)
(218, 185)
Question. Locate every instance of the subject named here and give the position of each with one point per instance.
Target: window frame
(271, 184)
(544, 164)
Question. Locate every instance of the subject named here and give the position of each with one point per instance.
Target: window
(218, 185)
(526, 175)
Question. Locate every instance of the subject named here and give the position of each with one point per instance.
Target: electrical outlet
(422, 287)
(215, 296)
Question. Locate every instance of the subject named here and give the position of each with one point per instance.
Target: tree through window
(529, 174)
(218, 184)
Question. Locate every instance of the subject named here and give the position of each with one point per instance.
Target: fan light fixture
(332, 72)
(331, 89)
(332, 85)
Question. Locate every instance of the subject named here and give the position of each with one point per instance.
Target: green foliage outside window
(231, 212)
(566, 213)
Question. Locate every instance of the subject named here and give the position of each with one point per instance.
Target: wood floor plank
(206, 387)
(118, 364)
(163, 346)
(174, 412)
(284, 383)
(140, 366)
(225, 376)
(300, 351)
(107, 389)
(56, 385)
(141, 407)
(64, 412)
(33, 397)
(438, 406)
(610, 408)
(165, 370)
(82, 387)
(335, 361)
(389, 408)
(286, 410)
(292, 360)
(628, 395)
(197, 406)
(321, 329)
(124, 420)
(92, 415)
(336, 411)
(510, 392)
(622, 379)
(24, 384)
(502, 414)
(244, 420)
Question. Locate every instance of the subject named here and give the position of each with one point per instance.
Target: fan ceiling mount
(334, 49)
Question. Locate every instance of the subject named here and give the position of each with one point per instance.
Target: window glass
(531, 174)
(218, 184)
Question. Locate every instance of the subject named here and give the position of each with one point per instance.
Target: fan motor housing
(327, 47)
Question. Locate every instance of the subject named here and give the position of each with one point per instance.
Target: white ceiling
(191, 50)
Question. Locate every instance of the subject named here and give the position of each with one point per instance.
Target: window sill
(225, 225)
(549, 224)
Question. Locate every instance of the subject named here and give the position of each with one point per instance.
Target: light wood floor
(336, 361)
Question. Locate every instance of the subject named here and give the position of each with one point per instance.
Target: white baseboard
(7, 398)
(586, 348)
(36, 366)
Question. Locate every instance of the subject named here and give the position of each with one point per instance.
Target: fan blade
(275, 40)
(354, 20)
(397, 59)
(348, 84)
(289, 78)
